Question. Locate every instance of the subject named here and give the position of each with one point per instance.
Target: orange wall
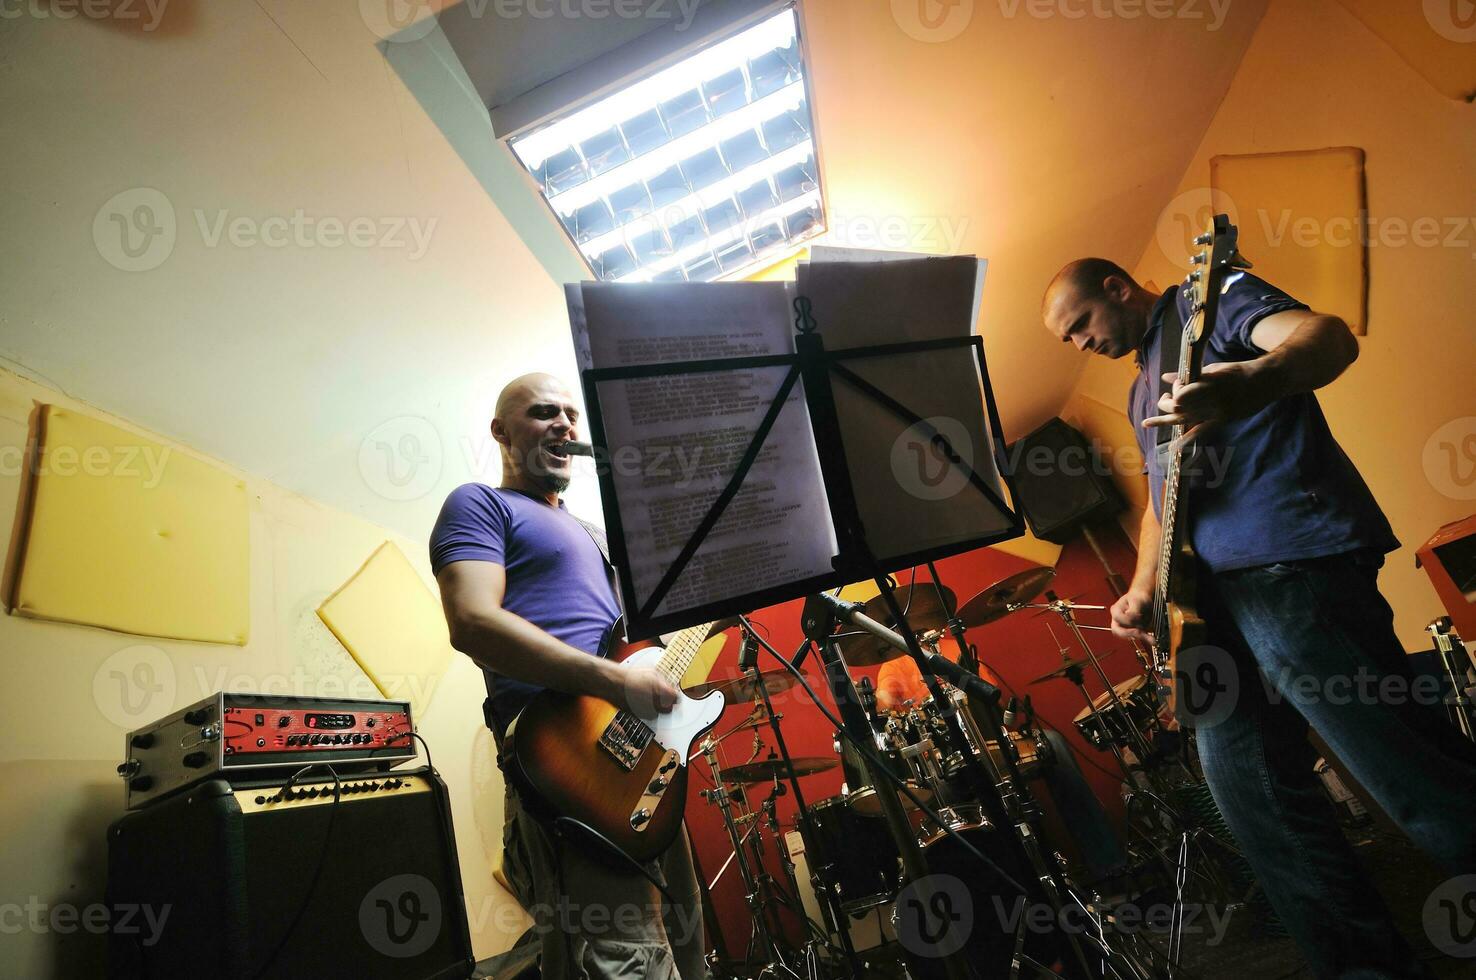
(1316, 77)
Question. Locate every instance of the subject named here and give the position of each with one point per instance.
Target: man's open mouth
(559, 449)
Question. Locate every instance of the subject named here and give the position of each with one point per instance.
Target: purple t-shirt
(557, 578)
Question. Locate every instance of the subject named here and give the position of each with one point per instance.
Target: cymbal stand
(752, 886)
(1064, 609)
(829, 900)
(1185, 835)
(1014, 796)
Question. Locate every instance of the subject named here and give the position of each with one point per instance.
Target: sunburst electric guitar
(622, 772)
(1177, 626)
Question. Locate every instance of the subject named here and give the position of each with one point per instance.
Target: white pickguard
(677, 729)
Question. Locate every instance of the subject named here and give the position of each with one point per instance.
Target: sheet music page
(910, 497)
(675, 441)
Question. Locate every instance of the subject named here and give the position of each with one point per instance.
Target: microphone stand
(829, 900)
(989, 792)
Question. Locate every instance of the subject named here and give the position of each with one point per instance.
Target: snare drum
(855, 854)
(1106, 724)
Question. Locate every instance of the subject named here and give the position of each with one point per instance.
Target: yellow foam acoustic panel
(392, 626)
(1435, 37)
(119, 531)
(1301, 220)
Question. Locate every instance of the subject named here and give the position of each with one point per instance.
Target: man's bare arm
(502, 641)
(1304, 352)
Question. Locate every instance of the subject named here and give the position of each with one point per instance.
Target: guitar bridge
(625, 738)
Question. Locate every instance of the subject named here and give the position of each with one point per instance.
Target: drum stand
(829, 900)
(1023, 811)
(1186, 836)
(988, 789)
(754, 887)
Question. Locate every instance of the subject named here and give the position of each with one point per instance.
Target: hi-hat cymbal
(742, 690)
(1005, 596)
(767, 769)
(1067, 667)
(924, 612)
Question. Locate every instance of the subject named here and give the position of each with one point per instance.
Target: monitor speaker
(1061, 482)
(245, 881)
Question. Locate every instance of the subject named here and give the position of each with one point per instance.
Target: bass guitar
(620, 771)
(1177, 625)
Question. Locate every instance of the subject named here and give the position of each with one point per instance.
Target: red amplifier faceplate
(258, 730)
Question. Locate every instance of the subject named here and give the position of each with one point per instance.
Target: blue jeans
(1310, 643)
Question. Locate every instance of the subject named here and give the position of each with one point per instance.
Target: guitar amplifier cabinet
(243, 881)
(258, 733)
(1449, 558)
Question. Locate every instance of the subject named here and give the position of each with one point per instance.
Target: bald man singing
(1289, 541)
(529, 596)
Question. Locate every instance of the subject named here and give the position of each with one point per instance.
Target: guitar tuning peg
(1195, 276)
(1204, 239)
(1198, 258)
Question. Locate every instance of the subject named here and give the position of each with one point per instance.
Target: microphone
(747, 653)
(944, 667)
(1009, 712)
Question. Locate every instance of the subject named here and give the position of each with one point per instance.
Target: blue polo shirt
(557, 578)
(1272, 487)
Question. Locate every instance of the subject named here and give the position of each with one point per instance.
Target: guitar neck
(1190, 363)
(681, 651)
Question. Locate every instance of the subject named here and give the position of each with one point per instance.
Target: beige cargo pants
(599, 922)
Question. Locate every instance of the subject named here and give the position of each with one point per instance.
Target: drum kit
(934, 749)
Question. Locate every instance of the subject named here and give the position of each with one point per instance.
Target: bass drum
(981, 908)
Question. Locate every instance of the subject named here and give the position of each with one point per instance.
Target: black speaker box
(235, 881)
(1061, 482)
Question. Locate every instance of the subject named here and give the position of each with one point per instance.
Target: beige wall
(73, 691)
(1315, 77)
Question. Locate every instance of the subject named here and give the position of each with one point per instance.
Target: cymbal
(1067, 667)
(767, 769)
(999, 599)
(742, 690)
(924, 612)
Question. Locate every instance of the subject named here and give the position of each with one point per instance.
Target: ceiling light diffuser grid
(693, 173)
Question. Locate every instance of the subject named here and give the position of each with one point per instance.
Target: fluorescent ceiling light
(692, 173)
